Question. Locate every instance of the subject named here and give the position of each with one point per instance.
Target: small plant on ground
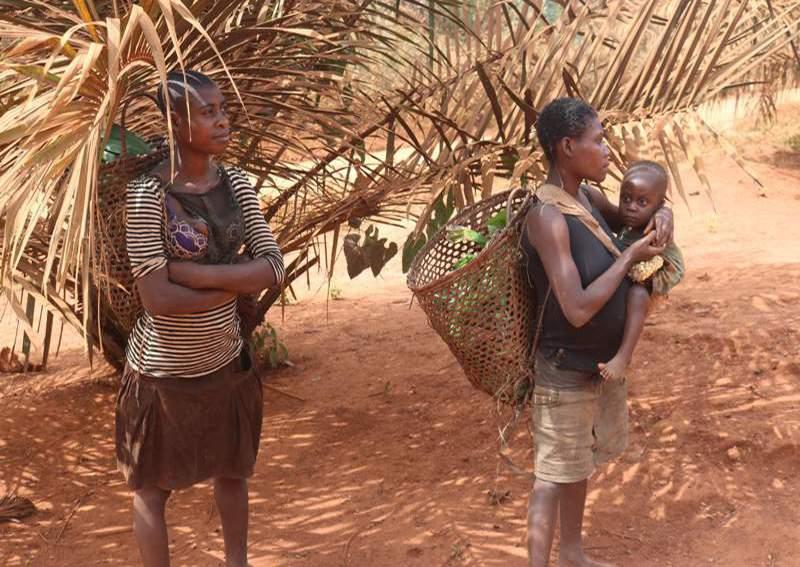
(335, 293)
(794, 142)
(269, 347)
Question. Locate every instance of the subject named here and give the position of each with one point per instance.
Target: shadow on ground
(388, 456)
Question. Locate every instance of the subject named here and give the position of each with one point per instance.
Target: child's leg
(638, 304)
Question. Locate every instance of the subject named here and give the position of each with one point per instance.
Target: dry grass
(13, 507)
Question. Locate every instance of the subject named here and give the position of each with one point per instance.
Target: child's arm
(671, 273)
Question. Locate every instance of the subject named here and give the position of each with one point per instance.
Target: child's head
(644, 188)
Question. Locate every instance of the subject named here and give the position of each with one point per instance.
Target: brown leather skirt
(175, 432)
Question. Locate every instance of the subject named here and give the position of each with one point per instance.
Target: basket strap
(510, 202)
(505, 434)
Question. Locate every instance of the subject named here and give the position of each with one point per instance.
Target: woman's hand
(644, 249)
(664, 226)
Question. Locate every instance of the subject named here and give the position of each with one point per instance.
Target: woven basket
(483, 311)
(122, 304)
(119, 299)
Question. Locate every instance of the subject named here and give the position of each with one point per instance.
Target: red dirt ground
(390, 457)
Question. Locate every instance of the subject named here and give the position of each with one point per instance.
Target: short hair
(178, 84)
(647, 166)
(564, 117)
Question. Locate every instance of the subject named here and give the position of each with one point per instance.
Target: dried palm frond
(13, 507)
(348, 109)
(647, 67)
(67, 68)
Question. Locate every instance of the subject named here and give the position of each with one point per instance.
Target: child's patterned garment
(670, 274)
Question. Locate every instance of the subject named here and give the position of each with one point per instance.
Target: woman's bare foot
(580, 560)
(614, 369)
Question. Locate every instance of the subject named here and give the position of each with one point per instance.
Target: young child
(643, 191)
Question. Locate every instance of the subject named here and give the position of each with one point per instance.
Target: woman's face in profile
(590, 153)
(205, 129)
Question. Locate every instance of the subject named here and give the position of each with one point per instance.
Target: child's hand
(663, 224)
(644, 248)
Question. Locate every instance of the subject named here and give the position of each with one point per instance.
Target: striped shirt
(196, 344)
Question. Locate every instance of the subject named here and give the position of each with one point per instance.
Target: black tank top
(598, 341)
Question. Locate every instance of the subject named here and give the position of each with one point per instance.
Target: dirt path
(391, 458)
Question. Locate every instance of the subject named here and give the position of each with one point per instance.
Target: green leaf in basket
(464, 234)
(464, 261)
(497, 223)
(135, 146)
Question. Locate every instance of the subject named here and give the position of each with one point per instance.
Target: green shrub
(269, 347)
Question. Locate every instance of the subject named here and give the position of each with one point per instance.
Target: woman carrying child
(190, 405)
(579, 417)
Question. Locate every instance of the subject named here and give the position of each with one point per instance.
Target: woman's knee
(152, 497)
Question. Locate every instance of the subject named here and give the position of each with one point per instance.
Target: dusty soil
(383, 455)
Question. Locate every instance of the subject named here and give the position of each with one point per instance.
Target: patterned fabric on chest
(210, 227)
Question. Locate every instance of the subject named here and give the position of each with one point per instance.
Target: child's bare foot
(580, 560)
(614, 369)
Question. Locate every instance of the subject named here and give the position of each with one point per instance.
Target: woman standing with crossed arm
(190, 405)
